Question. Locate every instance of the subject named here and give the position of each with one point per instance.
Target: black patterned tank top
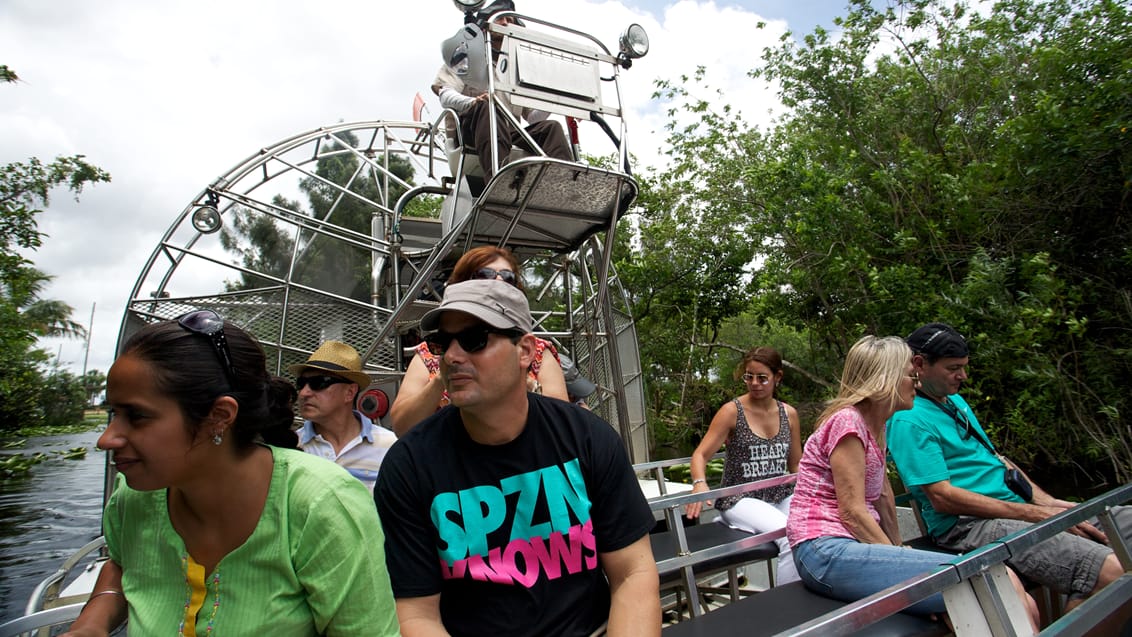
(751, 457)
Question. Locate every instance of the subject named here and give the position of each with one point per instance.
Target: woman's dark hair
(477, 258)
(766, 355)
(187, 368)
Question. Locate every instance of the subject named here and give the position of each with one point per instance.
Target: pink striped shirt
(813, 512)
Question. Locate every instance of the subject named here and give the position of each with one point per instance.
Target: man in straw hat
(508, 512)
(328, 385)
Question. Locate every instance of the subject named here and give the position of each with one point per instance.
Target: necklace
(196, 589)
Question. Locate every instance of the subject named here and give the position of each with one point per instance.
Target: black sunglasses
(471, 340)
(318, 383)
(959, 417)
(507, 276)
(951, 409)
(210, 324)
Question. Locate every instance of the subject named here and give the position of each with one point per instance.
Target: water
(47, 515)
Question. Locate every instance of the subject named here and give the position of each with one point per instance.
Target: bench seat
(703, 536)
(783, 607)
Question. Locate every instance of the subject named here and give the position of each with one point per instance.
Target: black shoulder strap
(954, 413)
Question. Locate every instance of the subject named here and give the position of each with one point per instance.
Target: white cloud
(167, 95)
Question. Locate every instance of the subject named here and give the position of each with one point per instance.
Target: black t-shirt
(509, 535)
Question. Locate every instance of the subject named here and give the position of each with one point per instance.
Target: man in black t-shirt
(507, 513)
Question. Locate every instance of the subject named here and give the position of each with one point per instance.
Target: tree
(319, 262)
(93, 384)
(62, 398)
(938, 163)
(24, 315)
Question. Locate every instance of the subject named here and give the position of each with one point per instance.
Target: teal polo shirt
(928, 445)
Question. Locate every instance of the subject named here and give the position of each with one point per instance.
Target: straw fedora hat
(337, 358)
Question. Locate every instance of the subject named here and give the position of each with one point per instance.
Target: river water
(47, 515)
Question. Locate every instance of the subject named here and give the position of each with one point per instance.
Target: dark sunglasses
(507, 276)
(960, 417)
(471, 340)
(951, 409)
(318, 383)
(210, 324)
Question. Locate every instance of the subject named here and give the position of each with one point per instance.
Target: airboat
(349, 231)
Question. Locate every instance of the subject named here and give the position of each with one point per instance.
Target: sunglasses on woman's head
(318, 383)
(471, 340)
(507, 276)
(211, 325)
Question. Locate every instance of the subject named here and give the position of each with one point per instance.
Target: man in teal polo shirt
(949, 465)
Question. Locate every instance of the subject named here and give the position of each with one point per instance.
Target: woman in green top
(213, 532)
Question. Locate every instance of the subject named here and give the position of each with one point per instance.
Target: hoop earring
(217, 438)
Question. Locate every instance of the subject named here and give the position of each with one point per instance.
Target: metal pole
(89, 332)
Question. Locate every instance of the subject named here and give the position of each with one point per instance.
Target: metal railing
(672, 506)
(979, 596)
(976, 587)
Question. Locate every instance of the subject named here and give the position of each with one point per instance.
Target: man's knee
(1110, 572)
(550, 136)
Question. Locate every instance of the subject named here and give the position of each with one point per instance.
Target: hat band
(328, 365)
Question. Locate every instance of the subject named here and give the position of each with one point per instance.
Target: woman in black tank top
(763, 441)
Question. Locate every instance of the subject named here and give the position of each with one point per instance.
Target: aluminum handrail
(681, 499)
(41, 619)
(976, 564)
(39, 595)
(685, 558)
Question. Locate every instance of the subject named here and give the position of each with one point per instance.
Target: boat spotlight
(634, 44)
(206, 219)
(468, 5)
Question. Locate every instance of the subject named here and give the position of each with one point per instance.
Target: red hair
(477, 258)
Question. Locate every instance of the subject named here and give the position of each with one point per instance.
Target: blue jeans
(845, 569)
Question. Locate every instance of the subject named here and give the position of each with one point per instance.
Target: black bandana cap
(938, 340)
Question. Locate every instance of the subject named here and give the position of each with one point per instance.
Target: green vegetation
(29, 393)
(91, 419)
(320, 262)
(683, 472)
(935, 163)
(18, 465)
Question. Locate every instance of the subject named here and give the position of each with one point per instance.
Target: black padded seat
(783, 607)
(703, 536)
(925, 543)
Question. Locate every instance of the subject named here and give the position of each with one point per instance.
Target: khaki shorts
(1066, 563)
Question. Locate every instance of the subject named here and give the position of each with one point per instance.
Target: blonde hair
(873, 370)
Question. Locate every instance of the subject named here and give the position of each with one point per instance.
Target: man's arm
(420, 616)
(1041, 497)
(950, 499)
(634, 589)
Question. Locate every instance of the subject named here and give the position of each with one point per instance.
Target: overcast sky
(167, 95)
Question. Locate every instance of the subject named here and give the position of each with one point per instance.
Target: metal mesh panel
(323, 276)
(289, 331)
